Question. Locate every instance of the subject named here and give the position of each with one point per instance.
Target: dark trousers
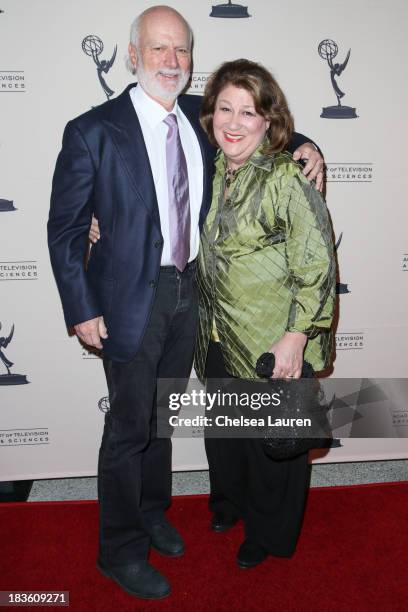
(268, 495)
(134, 470)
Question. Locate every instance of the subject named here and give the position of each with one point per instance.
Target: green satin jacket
(266, 265)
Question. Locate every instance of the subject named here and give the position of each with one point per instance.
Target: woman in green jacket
(266, 281)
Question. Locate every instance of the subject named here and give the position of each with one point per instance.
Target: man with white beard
(143, 166)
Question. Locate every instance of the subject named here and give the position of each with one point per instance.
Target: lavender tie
(179, 200)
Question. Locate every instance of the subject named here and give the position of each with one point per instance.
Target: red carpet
(352, 556)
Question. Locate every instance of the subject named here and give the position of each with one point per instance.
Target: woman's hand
(288, 353)
(94, 233)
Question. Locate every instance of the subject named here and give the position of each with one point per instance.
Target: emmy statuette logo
(9, 378)
(230, 10)
(6, 205)
(328, 50)
(93, 46)
(104, 405)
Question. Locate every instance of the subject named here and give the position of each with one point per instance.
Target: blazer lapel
(124, 127)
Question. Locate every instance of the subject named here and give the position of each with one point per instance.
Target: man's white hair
(135, 28)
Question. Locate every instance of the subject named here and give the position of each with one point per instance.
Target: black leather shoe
(222, 522)
(250, 554)
(139, 579)
(166, 539)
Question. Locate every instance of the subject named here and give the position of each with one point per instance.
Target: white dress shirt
(151, 115)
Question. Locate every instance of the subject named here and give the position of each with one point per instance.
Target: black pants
(268, 495)
(134, 471)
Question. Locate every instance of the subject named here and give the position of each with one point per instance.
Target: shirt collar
(152, 111)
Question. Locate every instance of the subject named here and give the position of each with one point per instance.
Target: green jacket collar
(259, 159)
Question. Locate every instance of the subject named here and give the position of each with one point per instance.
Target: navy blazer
(103, 169)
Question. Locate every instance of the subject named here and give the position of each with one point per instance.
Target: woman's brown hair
(269, 100)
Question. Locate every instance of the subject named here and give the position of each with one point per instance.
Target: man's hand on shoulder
(91, 332)
(314, 168)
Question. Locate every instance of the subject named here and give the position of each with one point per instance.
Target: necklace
(229, 176)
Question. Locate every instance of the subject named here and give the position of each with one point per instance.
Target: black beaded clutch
(301, 399)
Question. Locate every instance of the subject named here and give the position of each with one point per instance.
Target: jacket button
(152, 284)
(158, 243)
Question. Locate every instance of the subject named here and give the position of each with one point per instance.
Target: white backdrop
(52, 426)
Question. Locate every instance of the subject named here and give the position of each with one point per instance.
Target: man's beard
(152, 86)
